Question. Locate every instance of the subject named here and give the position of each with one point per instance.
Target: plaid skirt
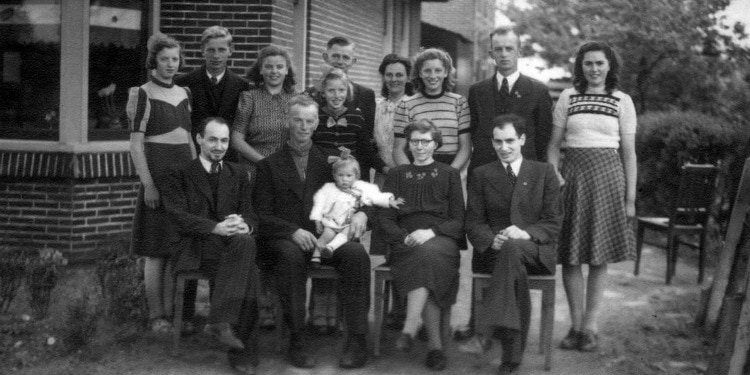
(595, 227)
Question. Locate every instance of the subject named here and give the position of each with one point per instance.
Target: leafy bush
(121, 282)
(42, 274)
(81, 320)
(667, 140)
(12, 272)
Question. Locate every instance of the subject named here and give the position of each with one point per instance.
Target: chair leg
(638, 249)
(179, 301)
(670, 255)
(702, 257)
(379, 313)
(547, 327)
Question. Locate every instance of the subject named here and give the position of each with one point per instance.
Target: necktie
(215, 167)
(511, 175)
(214, 80)
(504, 89)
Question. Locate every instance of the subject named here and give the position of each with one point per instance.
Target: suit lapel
(289, 173)
(199, 178)
(500, 180)
(521, 190)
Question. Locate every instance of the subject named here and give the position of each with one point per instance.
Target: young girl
(340, 126)
(159, 114)
(336, 202)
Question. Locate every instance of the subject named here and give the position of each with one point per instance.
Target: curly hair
(395, 59)
(158, 42)
(423, 126)
(612, 81)
(433, 54)
(256, 77)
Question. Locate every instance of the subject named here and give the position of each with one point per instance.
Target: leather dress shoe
(223, 333)
(508, 368)
(246, 369)
(572, 341)
(355, 354)
(476, 345)
(436, 360)
(299, 358)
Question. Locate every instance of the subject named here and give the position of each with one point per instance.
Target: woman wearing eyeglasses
(425, 236)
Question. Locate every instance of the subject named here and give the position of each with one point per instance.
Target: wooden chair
(688, 216)
(179, 301)
(545, 283)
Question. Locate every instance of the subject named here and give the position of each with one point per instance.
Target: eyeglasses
(423, 142)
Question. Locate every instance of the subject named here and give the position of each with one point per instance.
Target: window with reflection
(117, 58)
(30, 66)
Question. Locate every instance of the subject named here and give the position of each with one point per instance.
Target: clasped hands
(511, 232)
(307, 241)
(231, 225)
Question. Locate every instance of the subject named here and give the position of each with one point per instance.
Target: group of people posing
(299, 192)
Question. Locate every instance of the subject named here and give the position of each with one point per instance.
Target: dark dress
(433, 200)
(157, 108)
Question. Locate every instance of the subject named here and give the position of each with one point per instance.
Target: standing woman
(159, 114)
(597, 122)
(259, 127)
(394, 71)
(433, 79)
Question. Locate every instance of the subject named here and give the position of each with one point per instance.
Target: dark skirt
(432, 265)
(595, 227)
(153, 229)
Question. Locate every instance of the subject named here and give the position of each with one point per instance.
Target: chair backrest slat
(695, 195)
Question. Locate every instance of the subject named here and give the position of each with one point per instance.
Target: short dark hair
(505, 30)
(208, 120)
(518, 122)
(158, 42)
(254, 74)
(339, 41)
(390, 59)
(424, 126)
(613, 76)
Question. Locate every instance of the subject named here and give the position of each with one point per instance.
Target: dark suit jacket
(283, 200)
(530, 99)
(204, 104)
(188, 199)
(535, 206)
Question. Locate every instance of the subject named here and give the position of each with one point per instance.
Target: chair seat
(663, 223)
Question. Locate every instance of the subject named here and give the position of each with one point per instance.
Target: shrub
(121, 282)
(81, 321)
(42, 274)
(667, 140)
(12, 272)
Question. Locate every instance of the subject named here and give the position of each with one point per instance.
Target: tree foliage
(675, 53)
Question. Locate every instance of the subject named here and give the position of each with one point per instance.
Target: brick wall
(71, 215)
(362, 22)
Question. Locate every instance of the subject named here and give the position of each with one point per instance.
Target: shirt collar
(207, 163)
(511, 80)
(515, 165)
(218, 77)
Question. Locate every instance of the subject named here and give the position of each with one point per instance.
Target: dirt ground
(646, 328)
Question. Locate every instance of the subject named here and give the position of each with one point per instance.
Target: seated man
(512, 219)
(287, 181)
(210, 202)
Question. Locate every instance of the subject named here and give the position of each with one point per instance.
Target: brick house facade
(71, 187)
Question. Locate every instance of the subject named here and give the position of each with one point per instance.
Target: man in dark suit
(508, 91)
(341, 53)
(288, 179)
(216, 89)
(210, 202)
(512, 220)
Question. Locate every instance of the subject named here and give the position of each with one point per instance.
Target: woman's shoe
(572, 341)
(161, 325)
(477, 345)
(589, 341)
(405, 342)
(436, 360)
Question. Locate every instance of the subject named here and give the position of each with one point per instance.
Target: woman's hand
(151, 196)
(418, 237)
(318, 227)
(630, 209)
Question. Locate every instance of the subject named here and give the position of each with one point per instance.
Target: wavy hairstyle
(158, 42)
(423, 126)
(254, 74)
(391, 59)
(612, 81)
(433, 54)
